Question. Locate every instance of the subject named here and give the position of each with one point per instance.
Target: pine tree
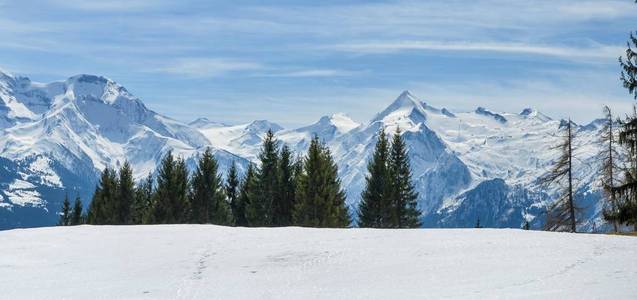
(526, 226)
(626, 191)
(609, 155)
(140, 211)
(320, 198)
(284, 206)
(373, 208)
(629, 67)
(102, 207)
(231, 188)
(171, 199)
(561, 213)
(403, 196)
(65, 214)
(478, 223)
(247, 194)
(125, 195)
(208, 200)
(76, 214)
(260, 211)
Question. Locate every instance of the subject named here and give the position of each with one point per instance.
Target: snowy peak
(405, 109)
(532, 113)
(483, 111)
(205, 123)
(262, 126)
(329, 127)
(97, 87)
(343, 122)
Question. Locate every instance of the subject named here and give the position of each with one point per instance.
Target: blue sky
(294, 61)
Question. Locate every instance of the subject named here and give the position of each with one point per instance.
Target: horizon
(311, 122)
(295, 62)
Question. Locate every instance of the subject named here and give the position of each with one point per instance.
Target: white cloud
(315, 73)
(207, 67)
(604, 52)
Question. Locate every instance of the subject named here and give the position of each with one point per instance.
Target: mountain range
(56, 137)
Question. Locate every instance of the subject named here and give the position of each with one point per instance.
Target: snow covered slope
(211, 262)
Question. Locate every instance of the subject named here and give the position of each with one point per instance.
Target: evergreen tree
(626, 191)
(101, 210)
(629, 67)
(65, 214)
(284, 206)
(170, 198)
(526, 226)
(260, 211)
(125, 195)
(232, 189)
(561, 213)
(373, 209)
(403, 195)
(478, 223)
(320, 199)
(76, 214)
(207, 199)
(609, 155)
(140, 211)
(247, 194)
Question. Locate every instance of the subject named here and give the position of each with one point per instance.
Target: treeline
(281, 191)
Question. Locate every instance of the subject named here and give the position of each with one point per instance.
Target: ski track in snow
(213, 262)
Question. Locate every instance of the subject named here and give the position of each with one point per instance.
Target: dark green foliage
(260, 211)
(125, 195)
(629, 67)
(403, 194)
(65, 214)
(102, 207)
(76, 214)
(208, 203)
(526, 226)
(247, 194)
(626, 191)
(374, 209)
(141, 208)
(320, 199)
(231, 188)
(170, 204)
(389, 199)
(284, 205)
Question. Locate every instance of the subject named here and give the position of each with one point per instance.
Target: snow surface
(213, 262)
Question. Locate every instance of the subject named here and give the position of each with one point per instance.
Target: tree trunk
(570, 179)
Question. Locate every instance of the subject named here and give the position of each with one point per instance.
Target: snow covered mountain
(56, 137)
(79, 126)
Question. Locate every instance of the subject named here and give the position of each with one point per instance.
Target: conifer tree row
(389, 199)
(281, 192)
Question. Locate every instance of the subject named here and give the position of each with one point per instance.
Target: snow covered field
(212, 262)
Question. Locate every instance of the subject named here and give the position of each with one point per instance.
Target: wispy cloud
(597, 52)
(207, 67)
(314, 73)
(109, 5)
